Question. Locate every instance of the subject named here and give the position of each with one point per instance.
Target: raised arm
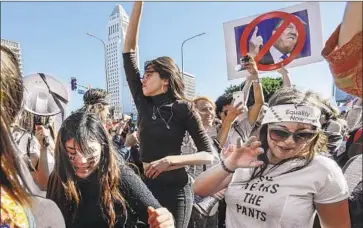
(43, 170)
(233, 112)
(132, 34)
(343, 51)
(286, 82)
(352, 22)
(255, 109)
(129, 56)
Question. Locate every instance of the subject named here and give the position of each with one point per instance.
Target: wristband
(225, 167)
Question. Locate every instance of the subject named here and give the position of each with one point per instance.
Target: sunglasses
(278, 134)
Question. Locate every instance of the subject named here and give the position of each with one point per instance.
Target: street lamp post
(105, 53)
(182, 52)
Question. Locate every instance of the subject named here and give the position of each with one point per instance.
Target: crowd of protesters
(291, 161)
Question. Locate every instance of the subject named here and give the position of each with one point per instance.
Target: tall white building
(15, 47)
(117, 85)
(189, 84)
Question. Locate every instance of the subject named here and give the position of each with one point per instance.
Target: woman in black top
(92, 187)
(164, 117)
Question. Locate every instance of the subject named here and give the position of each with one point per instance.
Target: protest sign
(291, 36)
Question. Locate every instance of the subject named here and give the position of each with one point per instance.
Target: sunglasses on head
(279, 134)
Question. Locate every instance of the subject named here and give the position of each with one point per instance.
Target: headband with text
(293, 113)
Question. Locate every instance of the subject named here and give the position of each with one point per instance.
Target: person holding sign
(290, 181)
(238, 118)
(286, 82)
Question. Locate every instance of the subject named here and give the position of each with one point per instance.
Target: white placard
(308, 15)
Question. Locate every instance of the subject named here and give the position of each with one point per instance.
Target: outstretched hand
(245, 155)
(160, 218)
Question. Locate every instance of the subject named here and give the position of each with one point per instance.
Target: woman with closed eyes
(164, 117)
(92, 186)
(290, 181)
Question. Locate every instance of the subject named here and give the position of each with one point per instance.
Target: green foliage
(269, 87)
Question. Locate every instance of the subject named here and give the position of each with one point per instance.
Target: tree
(269, 87)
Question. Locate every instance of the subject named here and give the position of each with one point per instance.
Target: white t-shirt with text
(283, 201)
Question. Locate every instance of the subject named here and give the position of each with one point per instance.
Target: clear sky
(53, 39)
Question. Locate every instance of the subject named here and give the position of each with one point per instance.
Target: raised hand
(255, 43)
(160, 218)
(283, 70)
(251, 67)
(40, 133)
(245, 156)
(234, 111)
(226, 152)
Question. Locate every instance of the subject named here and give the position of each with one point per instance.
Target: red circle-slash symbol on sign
(288, 18)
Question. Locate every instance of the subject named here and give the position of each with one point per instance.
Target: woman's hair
(11, 96)
(326, 107)
(11, 93)
(167, 69)
(9, 169)
(84, 127)
(95, 101)
(225, 99)
(318, 144)
(203, 98)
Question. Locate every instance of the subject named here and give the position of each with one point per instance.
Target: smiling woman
(291, 181)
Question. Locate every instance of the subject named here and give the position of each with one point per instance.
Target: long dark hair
(84, 127)
(95, 101)
(318, 144)
(168, 69)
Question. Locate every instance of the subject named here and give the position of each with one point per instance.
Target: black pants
(178, 200)
(222, 214)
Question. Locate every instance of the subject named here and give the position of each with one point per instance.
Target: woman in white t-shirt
(290, 182)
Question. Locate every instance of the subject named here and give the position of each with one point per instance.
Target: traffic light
(73, 83)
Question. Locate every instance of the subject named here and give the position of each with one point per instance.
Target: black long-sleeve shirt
(156, 140)
(134, 191)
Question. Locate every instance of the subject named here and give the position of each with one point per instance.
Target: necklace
(167, 123)
(154, 111)
(158, 111)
